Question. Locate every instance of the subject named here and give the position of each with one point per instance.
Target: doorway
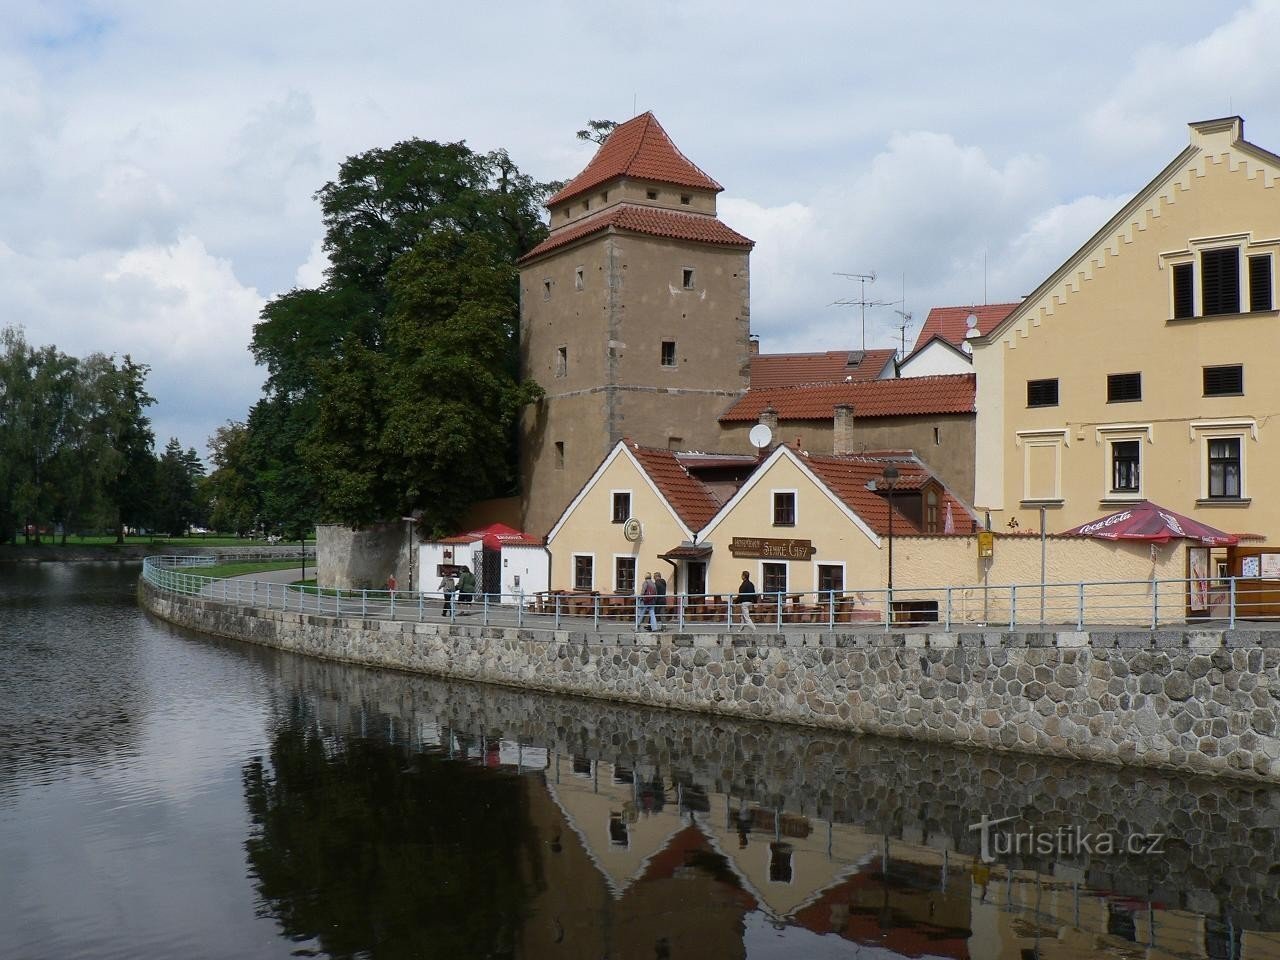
(695, 575)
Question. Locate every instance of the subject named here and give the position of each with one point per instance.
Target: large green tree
(389, 390)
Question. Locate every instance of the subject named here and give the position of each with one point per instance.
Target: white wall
(431, 554)
(531, 564)
(934, 360)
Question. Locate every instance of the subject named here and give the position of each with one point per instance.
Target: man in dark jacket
(745, 598)
(660, 596)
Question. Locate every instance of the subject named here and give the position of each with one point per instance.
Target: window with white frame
(1224, 467)
(1221, 277)
(830, 578)
(1224, 458)
(621, 507)
(624, 574)
(784, 508)
(584, 571)
(1126, 466)
(773, 577)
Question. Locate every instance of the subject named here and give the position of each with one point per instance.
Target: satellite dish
(760, 436)
(631, 530)
(971, 327)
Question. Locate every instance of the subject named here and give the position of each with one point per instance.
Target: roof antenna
(862, 301)
(633, 104)
(984, 277)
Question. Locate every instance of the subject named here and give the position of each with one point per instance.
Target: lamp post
(890, 476)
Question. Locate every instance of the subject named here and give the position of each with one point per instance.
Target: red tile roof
(833, 366)
(641, 149)
(847, 477)
(948, 393)
(950, 322)
(692, 501)
(654, 221)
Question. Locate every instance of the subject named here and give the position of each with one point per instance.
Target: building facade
(634, 316)
(1142, 368)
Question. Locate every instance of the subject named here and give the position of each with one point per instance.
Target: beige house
(1142, 368)
(634, 316)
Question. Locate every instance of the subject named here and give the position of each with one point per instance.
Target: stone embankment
(1205, 701)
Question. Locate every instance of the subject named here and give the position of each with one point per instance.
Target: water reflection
(577, 829)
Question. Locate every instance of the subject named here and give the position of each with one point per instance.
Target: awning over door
(687, 551)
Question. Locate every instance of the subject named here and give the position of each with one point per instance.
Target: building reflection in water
(551, 852)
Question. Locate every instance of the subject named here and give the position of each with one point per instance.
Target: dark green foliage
(374, 851)
(392, 388)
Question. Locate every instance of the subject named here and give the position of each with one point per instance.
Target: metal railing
(1073, 606)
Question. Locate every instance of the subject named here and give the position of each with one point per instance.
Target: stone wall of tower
(594, 320)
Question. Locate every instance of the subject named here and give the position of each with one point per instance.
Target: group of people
(654, 603)
(455, 591)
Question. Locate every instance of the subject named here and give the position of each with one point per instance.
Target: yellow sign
(986, 544)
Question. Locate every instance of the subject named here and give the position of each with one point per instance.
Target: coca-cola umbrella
(1151, 523)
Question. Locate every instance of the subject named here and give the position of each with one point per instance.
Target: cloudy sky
(158, 160)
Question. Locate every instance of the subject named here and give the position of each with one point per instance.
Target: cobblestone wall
(1204, 702)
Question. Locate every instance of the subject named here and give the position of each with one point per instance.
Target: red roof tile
(654, 221)
(639, 148)
(834, 366)
(950, 322)
(948, 393)
(692, 501)
(847, 477)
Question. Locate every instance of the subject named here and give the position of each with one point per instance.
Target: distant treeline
(76, 448)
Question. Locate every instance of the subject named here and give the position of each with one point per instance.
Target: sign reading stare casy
(768, 548)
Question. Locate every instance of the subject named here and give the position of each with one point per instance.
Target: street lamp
(890, 476)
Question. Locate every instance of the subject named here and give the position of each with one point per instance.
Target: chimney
(842, 434)
(754, 342)
(769, 417)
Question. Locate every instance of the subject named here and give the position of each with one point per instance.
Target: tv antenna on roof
(862, 301)
(902, 328)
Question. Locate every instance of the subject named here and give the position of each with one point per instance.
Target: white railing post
(486, 609)
(680, 602)
(557, 621)
(780, 599)
(1080, 609)
(1013, 605)
(888, 610)
(595, 613)
(1231, 602)
(728, 612)
(337, 602)
(364, 603)
(519, 609)
(1155, 602)
(947, 628)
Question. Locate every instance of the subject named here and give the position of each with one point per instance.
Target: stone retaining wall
(1205, 702)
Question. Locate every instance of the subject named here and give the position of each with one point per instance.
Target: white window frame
(1202, 431)
(635, 573)
(573, 571)
(693, 278)
(631, 502)
(1113, 433)
(1058, 438)
(786, 565)
(795, 502)
(844, 573)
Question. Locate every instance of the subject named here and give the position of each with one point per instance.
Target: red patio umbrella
(1152, 523)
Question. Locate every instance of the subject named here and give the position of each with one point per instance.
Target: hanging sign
(986, 544)
(772, 548)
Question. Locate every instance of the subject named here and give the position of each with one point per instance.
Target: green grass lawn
(220, 571)
(108, 541)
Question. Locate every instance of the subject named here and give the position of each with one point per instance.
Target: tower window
(586, 205)
(578, 280)
(686, 278)
(559, 454)
(546, 289)
(604, 197)
(651, 194)
(668, 353)
(686, 199)
(562, 361)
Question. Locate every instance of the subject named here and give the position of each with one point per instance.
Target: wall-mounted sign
(632, 530)
(986, 544)
(770, 548)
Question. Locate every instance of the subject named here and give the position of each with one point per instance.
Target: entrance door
(695, 575)
(490, 577)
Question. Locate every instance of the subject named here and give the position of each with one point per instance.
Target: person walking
(648, 595)
(448, 587)
(745, 598)
(391, 585)
(660, 596)
(466, 588)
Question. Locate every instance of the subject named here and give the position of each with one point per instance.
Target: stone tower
(634, 316)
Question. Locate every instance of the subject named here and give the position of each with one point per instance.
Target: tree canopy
(392, 388)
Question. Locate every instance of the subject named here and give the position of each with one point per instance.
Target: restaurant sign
(769, 548)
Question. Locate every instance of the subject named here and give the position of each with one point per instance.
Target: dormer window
(686, 199)
(604, 196)
(586, 205)
(651, 194)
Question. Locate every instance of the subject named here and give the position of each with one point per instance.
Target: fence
(1075, 606)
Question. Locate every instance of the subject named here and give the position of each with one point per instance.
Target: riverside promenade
(1203, 701)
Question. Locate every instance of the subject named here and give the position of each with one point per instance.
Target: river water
(165, 794)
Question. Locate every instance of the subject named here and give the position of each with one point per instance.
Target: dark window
(546, 289)
(931, 510)
(1220, 281)
(583, 573)
(624, 574)
(1224, 381)
(1184, 291)
(668, 353)
(651, 194)
(1224, 468)
(780, 862)
(774, 578)
(621, 506)
(1123, 387)
(586, 205)
(784, 509)
(685, 199)
(578, 279)
(1260, 282)
(1042, 393)
(830, 577)
(582, 766)
(604, 197)
(562, 361)
(617, 830)
(559, 454)
(1125, 455)
(686, 278)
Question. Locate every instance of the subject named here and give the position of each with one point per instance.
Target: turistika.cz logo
(1068, 840)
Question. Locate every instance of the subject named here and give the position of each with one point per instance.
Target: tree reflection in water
(371, 849)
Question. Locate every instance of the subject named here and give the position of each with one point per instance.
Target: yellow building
(1141, 368)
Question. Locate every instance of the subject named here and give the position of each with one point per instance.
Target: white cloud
(312, 273)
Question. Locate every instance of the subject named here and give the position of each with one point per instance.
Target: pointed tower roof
(641, 149)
